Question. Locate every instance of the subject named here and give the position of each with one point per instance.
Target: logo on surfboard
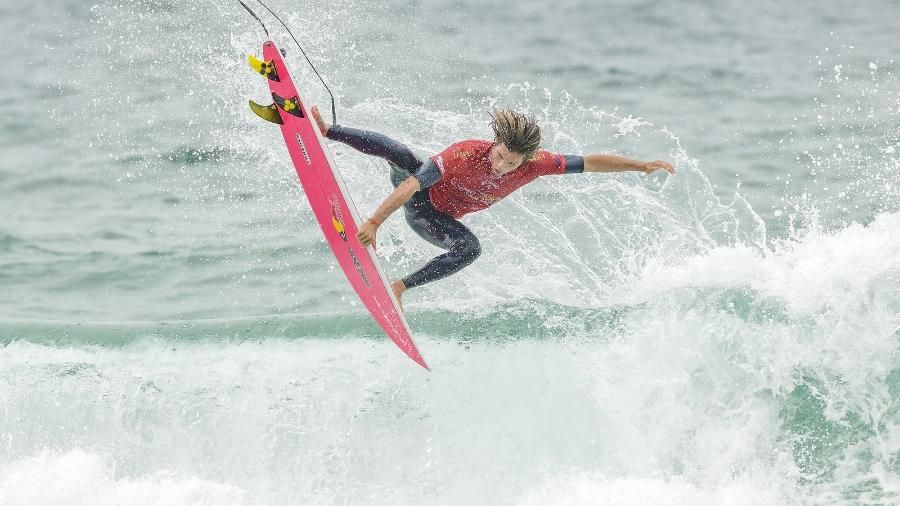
(358, 267)
(337, 221)
(303, 149)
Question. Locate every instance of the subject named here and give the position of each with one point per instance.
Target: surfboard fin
(267, 112)
(289, 105)
(264, 68)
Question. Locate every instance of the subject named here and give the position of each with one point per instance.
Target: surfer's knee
(467, 249)
(398, 174)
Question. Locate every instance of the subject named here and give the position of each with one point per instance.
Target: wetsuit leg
(443, 231)
(376, 144)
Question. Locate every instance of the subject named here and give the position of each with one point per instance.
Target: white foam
(355, 422)
(78, 477)
(590, 489)
(819, 271)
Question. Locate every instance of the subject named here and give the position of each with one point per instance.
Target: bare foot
(398, 288)
(323, 127)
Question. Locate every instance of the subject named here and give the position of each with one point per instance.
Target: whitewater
(173, 329)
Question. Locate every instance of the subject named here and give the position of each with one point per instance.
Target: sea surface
(175, 331)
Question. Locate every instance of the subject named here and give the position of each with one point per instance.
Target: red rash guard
(468, 184)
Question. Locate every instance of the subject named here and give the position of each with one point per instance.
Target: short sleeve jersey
(468, 183)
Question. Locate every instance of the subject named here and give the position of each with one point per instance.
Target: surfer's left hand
(650, 167)
(366, 234)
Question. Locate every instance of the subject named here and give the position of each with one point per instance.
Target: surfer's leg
(376, 144)
(445, 232)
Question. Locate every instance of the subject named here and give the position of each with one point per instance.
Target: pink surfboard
(332, 206)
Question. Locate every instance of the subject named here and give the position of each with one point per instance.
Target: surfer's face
(503, 160)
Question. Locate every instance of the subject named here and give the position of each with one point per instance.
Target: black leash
(313, 67)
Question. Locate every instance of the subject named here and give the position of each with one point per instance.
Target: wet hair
(520, 133)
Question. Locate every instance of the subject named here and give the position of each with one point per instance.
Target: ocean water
(173, 329)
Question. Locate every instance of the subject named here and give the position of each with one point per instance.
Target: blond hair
(520, 133)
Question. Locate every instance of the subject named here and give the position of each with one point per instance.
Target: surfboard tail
(267, 112)
(264, 68)
(289, 105)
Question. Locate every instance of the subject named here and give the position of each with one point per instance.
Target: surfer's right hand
(366, 234)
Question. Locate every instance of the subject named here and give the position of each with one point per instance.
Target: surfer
(466, 177)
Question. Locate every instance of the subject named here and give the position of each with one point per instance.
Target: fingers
(366, 234)
(659, 164)
(364, 238)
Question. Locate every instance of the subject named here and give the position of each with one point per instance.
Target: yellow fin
(264, 68)
(267, 112)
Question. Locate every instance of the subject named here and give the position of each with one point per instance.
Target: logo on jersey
(464, 154)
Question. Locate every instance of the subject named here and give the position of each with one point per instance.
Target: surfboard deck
(330, 201)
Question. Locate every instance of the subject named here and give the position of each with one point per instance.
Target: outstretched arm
(394, 201)
(612, 163)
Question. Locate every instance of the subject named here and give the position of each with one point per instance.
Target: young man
(466, 177)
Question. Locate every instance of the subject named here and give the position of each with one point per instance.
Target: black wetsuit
(436, 227)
